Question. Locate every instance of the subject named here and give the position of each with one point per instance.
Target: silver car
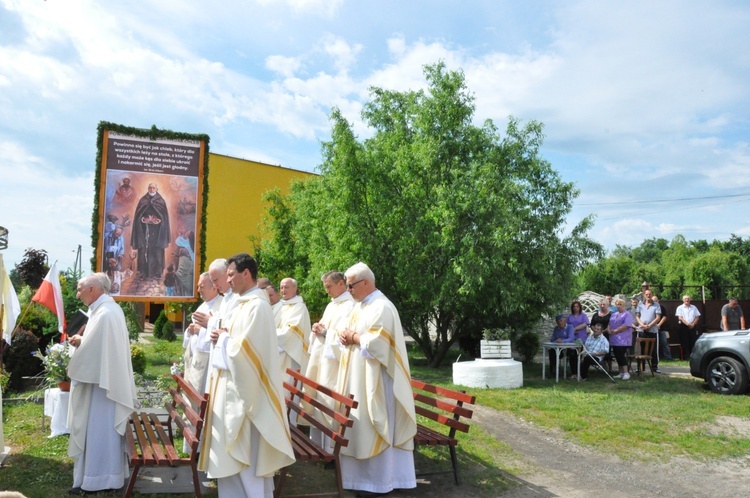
(723, 360)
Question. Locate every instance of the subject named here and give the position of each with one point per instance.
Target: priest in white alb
(292, 328)
(325, 353)
(246, 437)
(196, 339)
(375, 368)
(102, 393)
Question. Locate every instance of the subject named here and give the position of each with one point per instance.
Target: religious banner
(150, 212)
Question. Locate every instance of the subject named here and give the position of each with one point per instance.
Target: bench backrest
(429, 403)
(310, 407)
(192, 404)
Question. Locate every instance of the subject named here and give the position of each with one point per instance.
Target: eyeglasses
(351, 286)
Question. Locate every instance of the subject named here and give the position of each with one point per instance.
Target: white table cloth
(56, 407)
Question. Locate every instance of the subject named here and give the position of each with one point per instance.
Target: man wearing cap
(644, 287)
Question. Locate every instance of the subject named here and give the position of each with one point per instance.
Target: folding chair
(646, 348)
(598, 364)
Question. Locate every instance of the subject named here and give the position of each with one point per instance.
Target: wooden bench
(310, 408)
(150, 441)
(445, 407)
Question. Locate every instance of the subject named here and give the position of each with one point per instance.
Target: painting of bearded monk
(151, 234)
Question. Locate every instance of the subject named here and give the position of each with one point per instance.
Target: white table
(559, 347)
(56, 407)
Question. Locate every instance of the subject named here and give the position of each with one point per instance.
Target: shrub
(138, 358)
(132, 319)
(527, 346)
(167, 331)
(4, 379)
(159, 324)
(20, 360)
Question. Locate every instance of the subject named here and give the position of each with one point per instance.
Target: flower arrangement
(56, 362)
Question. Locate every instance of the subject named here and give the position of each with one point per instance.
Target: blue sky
(646, 105)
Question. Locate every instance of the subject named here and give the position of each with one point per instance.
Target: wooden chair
(646, 351)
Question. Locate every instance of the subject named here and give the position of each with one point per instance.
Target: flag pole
(18, 322)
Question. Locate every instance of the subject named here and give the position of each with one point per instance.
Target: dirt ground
(556, 467)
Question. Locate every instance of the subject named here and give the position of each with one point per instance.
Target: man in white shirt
(688, 316)
(102, 394)
(375, 368)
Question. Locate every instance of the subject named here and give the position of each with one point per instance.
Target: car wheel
(726, 375)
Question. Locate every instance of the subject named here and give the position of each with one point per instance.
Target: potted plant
(56, 365)
(496, 344)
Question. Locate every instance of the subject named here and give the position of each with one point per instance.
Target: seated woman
(598, 347)
(602, 317)
(621, 336)
(562, 333)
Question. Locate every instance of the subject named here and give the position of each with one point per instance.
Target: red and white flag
(50, 296)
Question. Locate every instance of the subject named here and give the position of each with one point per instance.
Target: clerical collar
(99, 300)
(342, 297)
(372, 295)
(249, 291)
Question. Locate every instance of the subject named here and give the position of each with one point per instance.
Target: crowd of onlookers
(612, 329)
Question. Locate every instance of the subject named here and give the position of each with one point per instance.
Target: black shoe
(329, 465)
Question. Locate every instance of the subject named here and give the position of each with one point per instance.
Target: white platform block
(505, 374)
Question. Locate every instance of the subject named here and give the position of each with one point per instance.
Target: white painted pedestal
(506, 374)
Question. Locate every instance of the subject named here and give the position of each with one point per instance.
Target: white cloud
(343, 53)
(285, 66)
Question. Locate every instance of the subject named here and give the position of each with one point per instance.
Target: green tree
(462, 227)
(720, 272)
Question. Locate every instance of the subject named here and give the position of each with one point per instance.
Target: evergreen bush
(167, 332)
(159, 324)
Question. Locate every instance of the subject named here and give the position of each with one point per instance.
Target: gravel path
(556, 467)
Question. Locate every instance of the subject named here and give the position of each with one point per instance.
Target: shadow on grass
(34, 476)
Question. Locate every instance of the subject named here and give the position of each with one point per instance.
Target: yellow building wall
(235, 208)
